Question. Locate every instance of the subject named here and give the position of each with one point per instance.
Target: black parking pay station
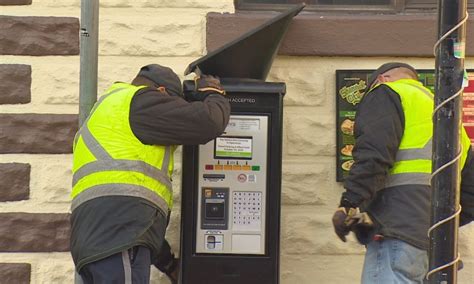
(231, 186)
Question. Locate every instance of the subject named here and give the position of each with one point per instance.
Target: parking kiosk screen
(227, 147)
(233, 188)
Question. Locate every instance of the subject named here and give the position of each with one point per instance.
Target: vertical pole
(89, 46)
(446, 141)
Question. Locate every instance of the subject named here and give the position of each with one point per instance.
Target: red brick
(15, 2)
(39, 35)
(15, 83)
(15, 183)
(18, 273)
(34, 232)
(37, 133)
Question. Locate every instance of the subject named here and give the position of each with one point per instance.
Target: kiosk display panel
(233, 147)
(233, 188)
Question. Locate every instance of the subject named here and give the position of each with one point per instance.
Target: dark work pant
(131, 266)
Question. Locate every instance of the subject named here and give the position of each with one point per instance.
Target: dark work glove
(363, 228)
(171, 270)
(341, 228)
(204, 86)
(167, 263)
(348, 217)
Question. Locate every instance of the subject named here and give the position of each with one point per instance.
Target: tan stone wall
(135, 33)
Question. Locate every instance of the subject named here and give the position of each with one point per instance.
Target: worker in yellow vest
(123, 161)
(389, 181)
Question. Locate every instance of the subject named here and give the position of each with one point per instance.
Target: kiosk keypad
(232, 175)
(247, 210)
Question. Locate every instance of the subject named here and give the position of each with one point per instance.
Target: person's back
(123, 161)
(401, 206)
(390, 178)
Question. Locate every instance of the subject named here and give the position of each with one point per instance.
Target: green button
(255, 168)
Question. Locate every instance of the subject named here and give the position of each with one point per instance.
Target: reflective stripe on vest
(108, 176)
(413, 164)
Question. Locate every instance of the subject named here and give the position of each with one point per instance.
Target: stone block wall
(39, 79)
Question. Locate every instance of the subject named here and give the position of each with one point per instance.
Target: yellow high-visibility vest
(413, 163)
(110, 161)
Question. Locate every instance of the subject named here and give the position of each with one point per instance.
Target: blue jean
(392, 261)
(130, 266)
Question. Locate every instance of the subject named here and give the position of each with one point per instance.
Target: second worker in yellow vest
(390, 177)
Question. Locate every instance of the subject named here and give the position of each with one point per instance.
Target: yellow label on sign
(352, 94)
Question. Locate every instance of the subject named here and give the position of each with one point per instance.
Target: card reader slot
(213, 177)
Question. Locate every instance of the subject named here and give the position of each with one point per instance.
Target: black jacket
(158, 119)
(402, 212)
(107, 225)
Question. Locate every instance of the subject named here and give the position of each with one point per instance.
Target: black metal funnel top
(249, 56)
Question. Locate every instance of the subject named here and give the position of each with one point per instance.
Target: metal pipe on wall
(89, 46)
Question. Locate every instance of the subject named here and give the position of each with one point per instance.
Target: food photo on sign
(350, 86)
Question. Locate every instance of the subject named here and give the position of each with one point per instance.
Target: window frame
(397, 6)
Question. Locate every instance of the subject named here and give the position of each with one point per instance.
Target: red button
(209, 167)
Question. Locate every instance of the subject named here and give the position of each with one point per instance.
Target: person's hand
(171, 270)
(174, 272)
(204, 86)
(208, 83)
(339, 221)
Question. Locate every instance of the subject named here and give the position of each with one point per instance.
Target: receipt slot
(231, 186)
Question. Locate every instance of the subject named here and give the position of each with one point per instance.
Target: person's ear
(380, 79)
(162, 90)
(384, 78)
(377, 81)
